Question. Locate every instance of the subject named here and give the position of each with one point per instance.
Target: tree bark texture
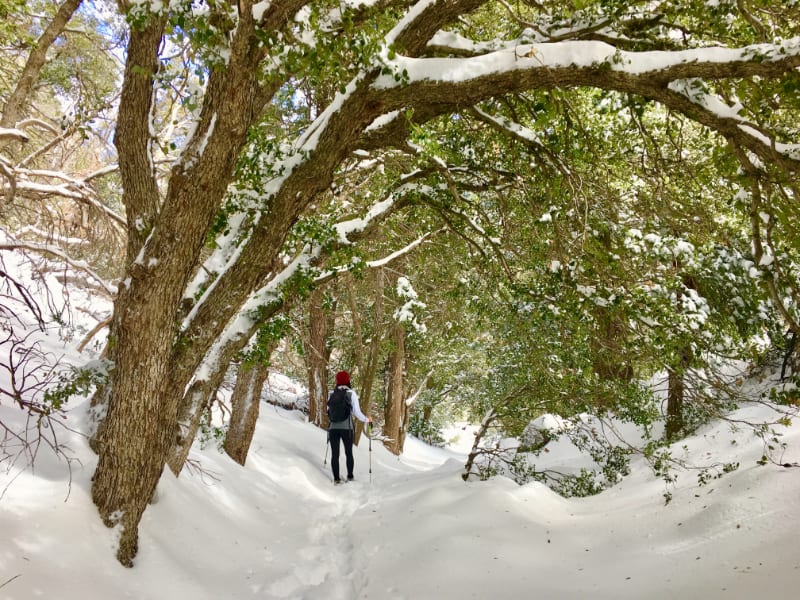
(376, 337)
(317, 354)
(676, 396)
(609, 341)
(676, 384)
(396, 411)
(357, 331)
(608, 355)
(245, 405)
(198, 398)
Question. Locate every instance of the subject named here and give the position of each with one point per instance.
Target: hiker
(342, 406)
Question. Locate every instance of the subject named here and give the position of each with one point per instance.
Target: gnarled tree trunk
(165, 241)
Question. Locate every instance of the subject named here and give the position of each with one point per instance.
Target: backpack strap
(349, 394)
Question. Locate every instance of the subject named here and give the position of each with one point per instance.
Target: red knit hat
(343, 378)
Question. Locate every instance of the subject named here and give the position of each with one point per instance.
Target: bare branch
(95, 330)
(12, 182)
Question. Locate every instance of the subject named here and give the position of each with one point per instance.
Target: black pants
(346, 435)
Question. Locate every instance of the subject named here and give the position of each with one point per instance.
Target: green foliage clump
(76, 381)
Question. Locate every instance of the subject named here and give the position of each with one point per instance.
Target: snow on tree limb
(37, 123)
(449, 83)
(15, 134)
(566, 60)
(244, 324)
(410, 247)
(60, 254)
(74, 189)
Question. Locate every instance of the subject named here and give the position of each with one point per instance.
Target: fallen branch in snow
(5, 583)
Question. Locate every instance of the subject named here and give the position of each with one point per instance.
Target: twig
(10, 580)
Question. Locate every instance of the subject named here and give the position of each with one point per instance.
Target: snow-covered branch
(382, 262)
(447, 83)
(74, 189)
(525, 135)
(60, 254)
(242, 327)
(39, 124)
(12, 135)
(564, 59)
(411, 400)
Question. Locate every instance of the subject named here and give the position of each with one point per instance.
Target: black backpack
(339, 407)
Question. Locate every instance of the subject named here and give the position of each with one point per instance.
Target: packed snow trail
(327, 561)
(324, 564)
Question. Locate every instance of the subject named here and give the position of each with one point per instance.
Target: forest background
(485, 211)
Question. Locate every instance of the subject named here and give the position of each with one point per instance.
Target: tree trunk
(376, 337)
(317, 354)
(199, 397)
(136, 433)
(395, 412)
(165, 242)
(486, 422)
(609, 340)
(674, 405)
(134, 438)
(676, 391)
(607, 347)
(676, 386)
(357, 350)
(245, 404)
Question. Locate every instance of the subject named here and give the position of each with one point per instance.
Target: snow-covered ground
(278, 528)
(411, 529)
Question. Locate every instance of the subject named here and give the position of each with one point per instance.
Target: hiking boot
(350, 478)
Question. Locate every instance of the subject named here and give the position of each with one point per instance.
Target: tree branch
(77, 265)
(467, 81)
(132, 139)
(15, 106)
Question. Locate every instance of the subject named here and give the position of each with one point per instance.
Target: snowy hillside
(278, 528)
(411, 529)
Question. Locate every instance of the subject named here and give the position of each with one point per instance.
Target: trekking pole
(327, 443)
(369, 437)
